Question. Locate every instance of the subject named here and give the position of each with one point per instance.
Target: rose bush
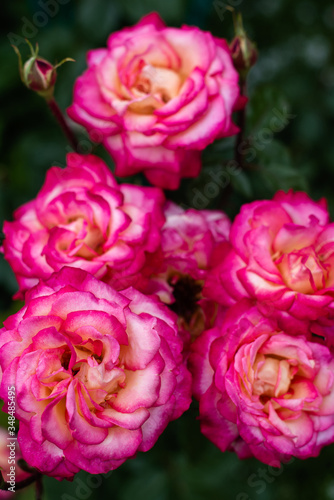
(98, 373)
(156, 96)
(281, 252)
(263, 392)
(82, 218)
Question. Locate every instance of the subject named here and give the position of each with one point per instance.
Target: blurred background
(293, 81)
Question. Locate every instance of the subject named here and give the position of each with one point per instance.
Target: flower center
(302, 270)
(161, 83)
(65, 360)
(83, 239)
(90, 369)
(85, 356)
(272, 376)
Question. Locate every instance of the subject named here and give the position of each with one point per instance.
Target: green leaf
(274, 152)
(241, 183)
(82, 486)
(3, 417)
(268, 113)
(277, 176)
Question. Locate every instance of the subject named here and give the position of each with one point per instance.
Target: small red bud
(244, 53)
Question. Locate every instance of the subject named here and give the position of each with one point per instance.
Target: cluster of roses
(133, 303)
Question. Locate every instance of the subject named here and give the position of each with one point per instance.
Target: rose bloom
(281, 252)
(156, 97)
(82, 218)
(98, 373)
(262, 392)
(6, 462)
(188, 239)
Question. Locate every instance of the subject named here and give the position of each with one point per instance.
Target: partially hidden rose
(82, 218)
(262, 392)
(188, 239)
(98, 373)
(10, 453)
(156, 97)
(281, 253)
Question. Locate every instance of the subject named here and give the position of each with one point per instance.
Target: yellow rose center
(272, 376)
(303, 271)
(154, 87)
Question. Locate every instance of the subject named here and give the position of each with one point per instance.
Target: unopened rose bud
(244, 53)
(38, 74)
(243, 50)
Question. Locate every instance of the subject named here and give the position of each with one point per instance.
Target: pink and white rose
(156, 97)
(82, 218)
(281, 253)
(262, 392)
(98, 373)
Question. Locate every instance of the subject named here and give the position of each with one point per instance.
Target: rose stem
(56, 111)
(241, 122)
(39, 488)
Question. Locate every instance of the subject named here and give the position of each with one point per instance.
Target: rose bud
(243, 50)
(37, 73)
(244, 53)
